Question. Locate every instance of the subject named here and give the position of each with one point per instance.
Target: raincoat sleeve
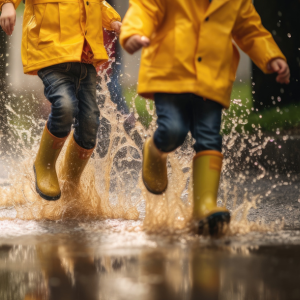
(253, 38)
(109, 15)
(143, 18)
(14, 2)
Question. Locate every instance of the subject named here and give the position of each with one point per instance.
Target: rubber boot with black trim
(210, 218)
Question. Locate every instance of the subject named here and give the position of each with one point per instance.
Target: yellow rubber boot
(154, 172)
(46, 179)
(76, 158)
(207, 167)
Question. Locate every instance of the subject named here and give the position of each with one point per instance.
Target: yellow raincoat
(192, 51)
(54, 31)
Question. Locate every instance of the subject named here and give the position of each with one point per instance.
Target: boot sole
(214, 225)
(145, 184)
(151, 191)
(48, 198)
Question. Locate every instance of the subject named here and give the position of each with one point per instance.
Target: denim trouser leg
(71, 89)
(206, 124)
(179, 113)
(87, 120)
(60, 92)
(173, 121)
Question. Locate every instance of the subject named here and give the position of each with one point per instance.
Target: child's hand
(116, 26)
(135, 43)
(278, 65)
(8, 18)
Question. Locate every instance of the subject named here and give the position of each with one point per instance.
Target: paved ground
(278, 196)
(115, 259)
(102, 260)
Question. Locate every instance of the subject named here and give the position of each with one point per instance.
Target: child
(63, 43)
(188, 67)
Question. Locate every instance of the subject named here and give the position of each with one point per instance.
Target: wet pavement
(115, 259)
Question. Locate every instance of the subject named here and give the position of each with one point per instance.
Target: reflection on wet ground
(118, 259)
(115, 259)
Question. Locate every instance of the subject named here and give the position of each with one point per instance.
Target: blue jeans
(71, 90)
(180, 113)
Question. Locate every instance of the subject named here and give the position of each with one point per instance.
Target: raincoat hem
(34, 68)
(179, 87)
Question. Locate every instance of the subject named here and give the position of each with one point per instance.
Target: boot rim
(62, 139)
(88, 151)
(209, 152)
(45, 197)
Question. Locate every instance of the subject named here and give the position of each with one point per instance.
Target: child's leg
(173, 125)
(88, 118)
(205, 128)
(173, 120)
(60, 91)
(87, 122)
(206, 124)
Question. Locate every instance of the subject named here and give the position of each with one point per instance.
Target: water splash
(111, 186)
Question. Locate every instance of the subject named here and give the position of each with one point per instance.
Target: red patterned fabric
(87, 54)
(110, 46)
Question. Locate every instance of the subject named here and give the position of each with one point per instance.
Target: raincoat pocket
(43, 28)
(34, 25)
(50, 25)
(53, 24)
